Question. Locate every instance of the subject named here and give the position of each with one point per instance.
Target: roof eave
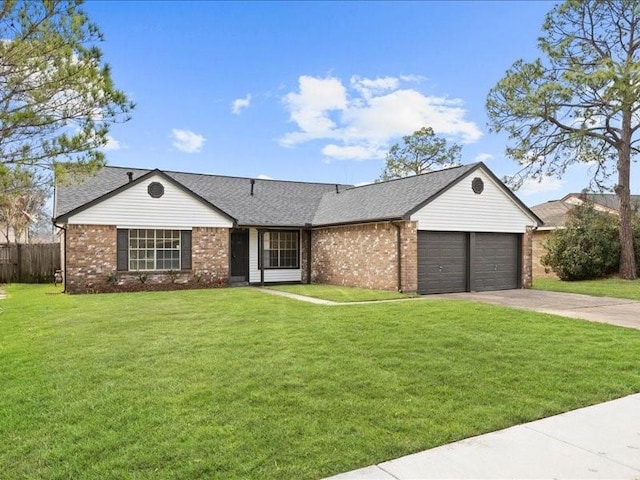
(357, 222)
(65, 216)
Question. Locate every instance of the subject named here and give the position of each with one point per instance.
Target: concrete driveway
(616, 311)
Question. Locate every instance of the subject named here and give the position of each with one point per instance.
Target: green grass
(608, 287)
(236, 383)
(339, 294)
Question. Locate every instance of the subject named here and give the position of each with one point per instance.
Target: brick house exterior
(91, 262)
(126, 227)
(538, 251)
(369, 256)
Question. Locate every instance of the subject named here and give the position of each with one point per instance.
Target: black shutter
(185, 249)
(123, 250)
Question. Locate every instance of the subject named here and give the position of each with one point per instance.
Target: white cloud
(546, 184)
(240, 104)
(483, 157)
(309, 108)
(361, 121)
(112, 144)
(368, 87)
(187, 141)
(412, 78)
(262, 176)
(353, 152)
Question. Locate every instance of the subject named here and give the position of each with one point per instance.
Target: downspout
(64, 267)
(399, 252)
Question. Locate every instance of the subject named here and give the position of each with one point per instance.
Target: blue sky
(312, 91)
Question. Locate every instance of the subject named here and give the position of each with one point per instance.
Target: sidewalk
(601, 441)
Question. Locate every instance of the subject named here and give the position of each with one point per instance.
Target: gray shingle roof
(385, 200)
(553, 213)
(608, 200)
(280, 203)
(83, 190)
(274, 202)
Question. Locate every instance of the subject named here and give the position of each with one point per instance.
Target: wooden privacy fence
(29, 263)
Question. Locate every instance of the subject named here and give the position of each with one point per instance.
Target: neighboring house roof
(280, 203)
(607, 200)
(554, 213)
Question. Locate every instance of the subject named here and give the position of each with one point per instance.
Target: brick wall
(365, 256)
(91, 256)
(304, 255)
(539, 270)
(92, 262)
(210, 254)
(527, 253)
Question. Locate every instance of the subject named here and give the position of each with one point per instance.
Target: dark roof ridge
(229, 176)
(383, 182)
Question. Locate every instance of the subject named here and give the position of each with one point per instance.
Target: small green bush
(587, 248)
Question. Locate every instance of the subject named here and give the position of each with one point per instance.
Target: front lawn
(236, 383)
(339, 294)
(607, 287)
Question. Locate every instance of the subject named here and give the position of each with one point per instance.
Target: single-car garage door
(496, 261)
(442, 262)
(459, 261)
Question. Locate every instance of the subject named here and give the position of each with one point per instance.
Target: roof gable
(464, 207)
(393, 199)
(273, 203)
(95, 186)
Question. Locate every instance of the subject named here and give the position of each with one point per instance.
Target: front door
(240, 256)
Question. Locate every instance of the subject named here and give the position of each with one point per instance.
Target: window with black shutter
(185, 246)
(123, 250)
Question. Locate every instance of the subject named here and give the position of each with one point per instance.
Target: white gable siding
(459, 209)
(276, 275)
(134, 207)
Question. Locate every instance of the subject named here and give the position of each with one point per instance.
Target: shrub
(587, 248)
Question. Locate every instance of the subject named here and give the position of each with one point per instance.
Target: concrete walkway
(616, 311)
(318, 301)
(295, 296)
(601, 441)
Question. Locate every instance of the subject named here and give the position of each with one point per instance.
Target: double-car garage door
(462, 261)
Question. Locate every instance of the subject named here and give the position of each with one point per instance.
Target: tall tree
(57, 98)
(420, 152)
(22, 198)
(579, 102)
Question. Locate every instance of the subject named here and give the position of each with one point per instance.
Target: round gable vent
(155, 189)
(477, 185)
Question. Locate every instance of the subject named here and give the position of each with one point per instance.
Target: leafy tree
(22, 199)
(587, 248)
(421, 152)
(57, 98)
(579, 103)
